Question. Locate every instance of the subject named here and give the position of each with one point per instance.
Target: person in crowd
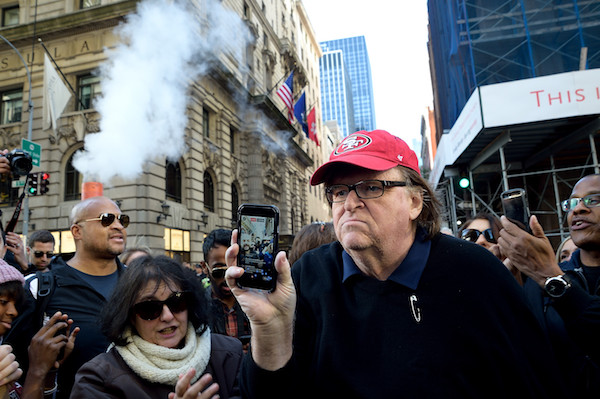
(40, 250)
(157, 320)
(484, 229)
(393, 308)
(80, 286)
(566, 297)
(226, 315)
(309, 237)
(130, 254)
(565, 250)
(44, 347)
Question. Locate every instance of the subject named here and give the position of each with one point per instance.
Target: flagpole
(61, 73)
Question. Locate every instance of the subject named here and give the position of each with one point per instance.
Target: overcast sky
(396, 36)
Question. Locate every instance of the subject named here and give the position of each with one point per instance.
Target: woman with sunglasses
(157, 321)
(484, 229)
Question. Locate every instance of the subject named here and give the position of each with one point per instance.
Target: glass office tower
(352, 52)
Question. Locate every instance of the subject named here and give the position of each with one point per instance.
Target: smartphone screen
(258, 227)
(514, 204)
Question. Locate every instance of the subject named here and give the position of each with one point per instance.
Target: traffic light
(33, 184)
(44, 181)
(464, 182)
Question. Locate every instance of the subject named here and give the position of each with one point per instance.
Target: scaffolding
(479, 42)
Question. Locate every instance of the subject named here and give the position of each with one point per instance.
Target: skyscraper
(350, 58)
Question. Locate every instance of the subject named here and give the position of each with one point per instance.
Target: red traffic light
(45, 176)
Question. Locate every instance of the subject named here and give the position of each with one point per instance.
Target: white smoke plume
(164, 46)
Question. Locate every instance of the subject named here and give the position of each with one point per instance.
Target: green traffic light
(464, 182)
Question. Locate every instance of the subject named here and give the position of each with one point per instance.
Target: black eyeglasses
(108, 218)
(39, 254)
(473, 235)
(219, 272)
(590, 201)
(366, 189)
(152, 309)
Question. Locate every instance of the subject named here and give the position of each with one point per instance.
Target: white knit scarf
(164, 365)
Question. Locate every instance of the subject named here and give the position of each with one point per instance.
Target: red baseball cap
(377, 150)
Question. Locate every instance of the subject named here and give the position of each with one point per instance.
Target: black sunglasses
(473, 235)
(39, 254)
(152, 309)
(218, 272)
(108, 218)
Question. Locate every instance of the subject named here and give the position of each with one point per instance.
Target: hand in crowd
(47, 343)
(4, 164)
(201, 389)
(9, 368)
(271, 314)
(15, 245)
(530, 253)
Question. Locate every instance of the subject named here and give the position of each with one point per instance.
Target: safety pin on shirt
(416, 312)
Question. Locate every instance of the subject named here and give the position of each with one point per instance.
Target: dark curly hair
(117, 313)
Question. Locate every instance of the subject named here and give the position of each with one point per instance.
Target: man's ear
(416, 204)
(204, 267)
(76, 231)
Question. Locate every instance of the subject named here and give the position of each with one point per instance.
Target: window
(73, 181)
(173, 181)
(205, 121)
(232, 139)
(10, 16)
(177, 244)
(89, 89)
(89, 3)
(235, 203)
(11, 107)
(209, 193)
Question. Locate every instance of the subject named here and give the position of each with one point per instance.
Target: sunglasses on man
(39, 254)
(218, 272)
(152, 309)
(473, 235)
(106, 219)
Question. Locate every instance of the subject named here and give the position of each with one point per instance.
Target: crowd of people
(377, 303)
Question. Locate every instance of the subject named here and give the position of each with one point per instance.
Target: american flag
(285, 93)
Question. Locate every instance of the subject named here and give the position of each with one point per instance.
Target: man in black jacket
(226, 315)
(394, 309)
(566, 297)
(80, 286)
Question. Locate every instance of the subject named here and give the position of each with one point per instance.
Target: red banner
(311, 121)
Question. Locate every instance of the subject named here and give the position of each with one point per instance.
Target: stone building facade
(232, 157)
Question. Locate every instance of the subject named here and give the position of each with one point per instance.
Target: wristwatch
(557, 286)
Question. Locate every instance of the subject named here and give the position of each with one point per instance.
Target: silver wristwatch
(557, 286)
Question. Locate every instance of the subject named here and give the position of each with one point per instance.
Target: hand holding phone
(258, 234)
(515, 207)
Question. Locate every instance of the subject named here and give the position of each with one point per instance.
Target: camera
(20, 162)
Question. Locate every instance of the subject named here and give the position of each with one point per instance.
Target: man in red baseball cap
(393, 308)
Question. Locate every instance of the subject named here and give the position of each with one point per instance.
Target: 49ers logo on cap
(352, 142)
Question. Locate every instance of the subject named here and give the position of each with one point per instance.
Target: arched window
(173, 181)
(235, 203)
(209, 193)
(73, 181)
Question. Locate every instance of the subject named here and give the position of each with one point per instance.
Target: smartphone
(258, 233)
(515, 207)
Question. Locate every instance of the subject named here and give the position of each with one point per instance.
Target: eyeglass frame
(48, 254)
(218, 269)
(176, 296)
(119, 217)
(352, 187)
(585, 199)
(487, 234)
